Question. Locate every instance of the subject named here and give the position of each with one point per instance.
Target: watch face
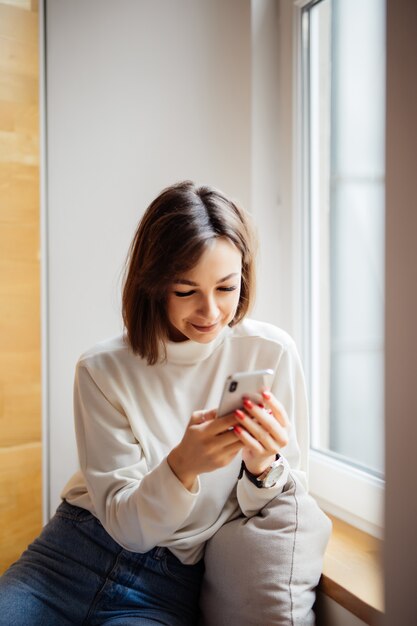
(274, 475)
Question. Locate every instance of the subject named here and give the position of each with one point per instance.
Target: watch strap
(253, 479)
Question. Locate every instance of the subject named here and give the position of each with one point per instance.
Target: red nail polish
(266, 395)
(261, 405)
(248, 404)
(239, 414)
(237, 429)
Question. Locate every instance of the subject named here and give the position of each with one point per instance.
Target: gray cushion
(263, 570)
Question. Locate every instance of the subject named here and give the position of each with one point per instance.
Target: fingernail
(266, 395)
(261, 405)
(248, 404)
(237, 429)
(239, 414)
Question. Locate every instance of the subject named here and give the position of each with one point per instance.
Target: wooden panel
(21, 4)
(19, 412)
(20, 500)
(22, 118)
(20, 358)
(20, 242)
(19, 192)
(18, 147)
(18, 25)
(19, 57)
(20, 89)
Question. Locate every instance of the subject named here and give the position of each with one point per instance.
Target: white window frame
(341, 489)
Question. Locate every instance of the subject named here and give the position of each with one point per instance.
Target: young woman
(160, 473)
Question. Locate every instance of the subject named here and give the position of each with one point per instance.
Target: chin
(206, 338)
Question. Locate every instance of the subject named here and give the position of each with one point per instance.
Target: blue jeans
(75, 574)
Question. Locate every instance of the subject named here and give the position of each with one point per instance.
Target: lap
(140, 621)
(74, 573)
(136, 621)
(59, 574)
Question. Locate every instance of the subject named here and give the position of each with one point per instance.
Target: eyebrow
(184, 281)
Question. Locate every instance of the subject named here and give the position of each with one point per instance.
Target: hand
(207, 444)
(263, 431)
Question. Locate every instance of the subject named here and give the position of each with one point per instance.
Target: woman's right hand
(207, 444)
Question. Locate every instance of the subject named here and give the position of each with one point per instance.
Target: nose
(209, 309)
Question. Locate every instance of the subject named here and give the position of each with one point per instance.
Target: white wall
(271, 166)
(140, 94)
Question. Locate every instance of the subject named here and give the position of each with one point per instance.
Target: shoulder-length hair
(172, 235)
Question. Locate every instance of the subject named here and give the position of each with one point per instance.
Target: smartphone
(243, 384)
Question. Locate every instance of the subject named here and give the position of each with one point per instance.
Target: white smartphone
(243, 384)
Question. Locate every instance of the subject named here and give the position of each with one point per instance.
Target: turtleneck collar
(189, 352)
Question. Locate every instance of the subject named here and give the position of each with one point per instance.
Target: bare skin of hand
(263, 431)
(207, 445)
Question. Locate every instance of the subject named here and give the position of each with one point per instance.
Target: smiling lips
(205, 329)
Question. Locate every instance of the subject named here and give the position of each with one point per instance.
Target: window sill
(352, 572)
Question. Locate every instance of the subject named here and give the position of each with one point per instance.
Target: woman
(126, 545)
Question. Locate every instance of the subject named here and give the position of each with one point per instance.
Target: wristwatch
(269, 477)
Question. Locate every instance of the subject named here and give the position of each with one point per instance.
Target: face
(204, 300)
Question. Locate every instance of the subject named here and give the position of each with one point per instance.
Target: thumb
(199, 417)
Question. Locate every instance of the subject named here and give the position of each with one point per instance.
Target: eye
(228, 288)
(183, 294)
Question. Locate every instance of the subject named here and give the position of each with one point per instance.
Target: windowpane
(344, 93)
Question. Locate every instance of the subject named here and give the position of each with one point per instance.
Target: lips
(205, 329)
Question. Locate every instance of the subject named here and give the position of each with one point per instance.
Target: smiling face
(204, 300)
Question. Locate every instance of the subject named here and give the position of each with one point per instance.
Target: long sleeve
(139, 508)
(130, 415)
(289, 388)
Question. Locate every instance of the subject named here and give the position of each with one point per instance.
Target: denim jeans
(74, 573)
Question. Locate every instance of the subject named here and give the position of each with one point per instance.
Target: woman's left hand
(263, 430)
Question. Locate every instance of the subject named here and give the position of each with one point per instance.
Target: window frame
(340, 488)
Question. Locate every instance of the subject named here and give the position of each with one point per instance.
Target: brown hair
(171, 237)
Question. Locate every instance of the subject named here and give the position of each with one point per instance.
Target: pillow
(264, 569)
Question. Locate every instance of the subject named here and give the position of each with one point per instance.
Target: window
(342, 100)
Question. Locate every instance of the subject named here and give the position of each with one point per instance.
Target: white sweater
(129, 416)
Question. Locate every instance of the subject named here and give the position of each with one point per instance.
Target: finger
(276, 407)
(233, 448)
(210, 415)
(264, 429)
(268, 422)
(227, 453)
(248, 441)
(222, 424)
(199, 417)
(223, 440)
